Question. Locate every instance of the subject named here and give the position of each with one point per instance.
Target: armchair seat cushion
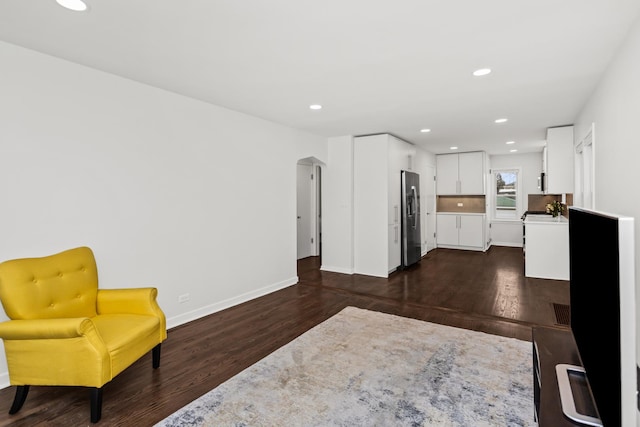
(126, 337)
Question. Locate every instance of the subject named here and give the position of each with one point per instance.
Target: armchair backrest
(55, 286)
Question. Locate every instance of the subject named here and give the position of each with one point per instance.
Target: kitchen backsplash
(476, 204)
(538, 202)
(469, 204)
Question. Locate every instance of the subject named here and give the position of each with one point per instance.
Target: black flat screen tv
(603, 310)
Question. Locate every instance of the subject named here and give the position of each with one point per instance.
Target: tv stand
(552, 347)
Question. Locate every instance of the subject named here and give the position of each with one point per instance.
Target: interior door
(303, 211)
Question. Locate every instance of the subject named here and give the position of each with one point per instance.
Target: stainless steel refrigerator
(410, 201)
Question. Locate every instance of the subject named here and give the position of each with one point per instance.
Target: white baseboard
(4, 380)
(228, 303)
(510, 244)
(336, 269)
(463, 248)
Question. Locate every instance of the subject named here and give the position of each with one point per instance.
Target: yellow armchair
(64, 331)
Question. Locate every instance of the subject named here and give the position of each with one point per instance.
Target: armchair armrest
(132, 301)
(58, 351)
(34, 329)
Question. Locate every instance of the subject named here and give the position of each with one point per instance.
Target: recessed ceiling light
(501, 120)
(510, 142)
(425, 130)
(513, 151)
(482, 72)
(453, 148)
(315, 106)
(77, 5)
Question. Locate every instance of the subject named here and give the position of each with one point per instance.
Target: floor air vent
(562, 312)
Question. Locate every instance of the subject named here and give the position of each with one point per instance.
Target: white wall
(614, 108)
(168, 191)
(509, 233)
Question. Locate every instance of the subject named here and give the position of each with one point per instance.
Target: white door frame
(304, 211)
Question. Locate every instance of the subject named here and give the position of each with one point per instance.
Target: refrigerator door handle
(414, 212)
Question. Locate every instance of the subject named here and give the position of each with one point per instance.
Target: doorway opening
(309, 209)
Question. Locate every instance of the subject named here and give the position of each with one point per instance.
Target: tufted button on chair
(64, 331)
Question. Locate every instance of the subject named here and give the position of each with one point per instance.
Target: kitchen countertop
(545, 219)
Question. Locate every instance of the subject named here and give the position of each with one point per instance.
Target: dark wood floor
(480, 291)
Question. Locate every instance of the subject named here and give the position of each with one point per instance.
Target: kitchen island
(546, 247)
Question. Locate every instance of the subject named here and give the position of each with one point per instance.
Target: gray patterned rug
(364, 368)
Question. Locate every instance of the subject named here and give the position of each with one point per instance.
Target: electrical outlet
(460, 205)
(183, 298)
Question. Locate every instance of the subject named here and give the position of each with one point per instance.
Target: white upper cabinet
(558, 160)
(447, 174)
(471, 172)
(460, 173)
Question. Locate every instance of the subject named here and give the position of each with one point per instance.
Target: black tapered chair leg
(20, 397)
(96, 404)
(155, 353)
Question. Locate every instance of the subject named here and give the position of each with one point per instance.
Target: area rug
(365, 368)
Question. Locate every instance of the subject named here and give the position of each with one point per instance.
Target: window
(507, 195)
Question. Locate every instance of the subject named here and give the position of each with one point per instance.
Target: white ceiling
(376, 66)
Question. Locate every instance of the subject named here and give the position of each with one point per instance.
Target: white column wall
(337, 207)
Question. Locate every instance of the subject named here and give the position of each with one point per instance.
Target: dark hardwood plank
(479, 291)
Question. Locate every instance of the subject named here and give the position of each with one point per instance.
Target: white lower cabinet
(460, 231)
(447, 230)
(542, 259)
